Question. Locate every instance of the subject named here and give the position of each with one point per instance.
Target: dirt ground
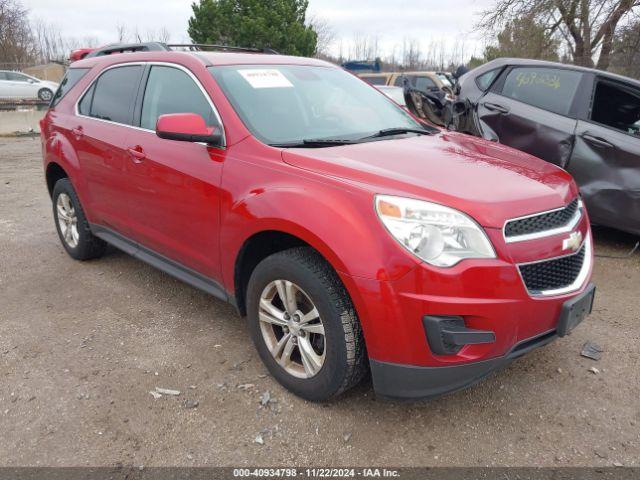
(82, 344)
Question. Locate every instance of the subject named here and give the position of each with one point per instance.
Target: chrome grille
(543, 222)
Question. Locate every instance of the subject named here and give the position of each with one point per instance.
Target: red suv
(351, 236)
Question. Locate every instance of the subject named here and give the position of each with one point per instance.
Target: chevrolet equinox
(356, 240)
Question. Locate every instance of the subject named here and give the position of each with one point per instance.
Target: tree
(625, 57)
(524, 38)
(587, 27)
(277, 24)
(16, 41)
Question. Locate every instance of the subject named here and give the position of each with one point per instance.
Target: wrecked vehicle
(585, 121)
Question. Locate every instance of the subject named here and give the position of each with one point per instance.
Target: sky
(391, 21)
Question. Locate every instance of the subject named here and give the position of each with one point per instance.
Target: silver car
(16, 85)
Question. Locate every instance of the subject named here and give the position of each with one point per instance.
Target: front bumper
(396, 381)
(494, 311)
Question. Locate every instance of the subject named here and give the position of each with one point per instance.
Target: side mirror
(187, 127)
(31, 80)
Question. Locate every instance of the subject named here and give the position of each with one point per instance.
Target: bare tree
(364, 47)
(16, 41)
(411, 55)
(325, 33)
(587, 27)
(121, 33)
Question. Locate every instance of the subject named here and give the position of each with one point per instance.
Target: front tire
(45, 94)
(72, 225)
(304, 325)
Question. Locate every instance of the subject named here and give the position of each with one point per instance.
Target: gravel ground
(82, 344)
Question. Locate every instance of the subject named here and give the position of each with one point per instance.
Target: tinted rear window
(72, 77)
(115, 93)
(551, 89)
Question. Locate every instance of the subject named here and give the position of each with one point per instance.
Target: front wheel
(304, 326)
(45, 94)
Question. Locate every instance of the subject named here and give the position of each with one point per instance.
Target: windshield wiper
(315, 143)
(388, 132)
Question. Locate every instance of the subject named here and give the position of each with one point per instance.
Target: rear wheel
(45, 94)
(72, 225)
(304, 325)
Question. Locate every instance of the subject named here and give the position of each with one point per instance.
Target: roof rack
(198, 47)
(163, 47)
(128, 47)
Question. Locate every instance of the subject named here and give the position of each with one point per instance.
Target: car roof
(502, 62)
(206, 58)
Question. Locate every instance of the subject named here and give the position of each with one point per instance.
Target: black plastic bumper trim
(397, 381)
(446, 335)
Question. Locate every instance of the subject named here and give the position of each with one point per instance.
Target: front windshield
(288, 104)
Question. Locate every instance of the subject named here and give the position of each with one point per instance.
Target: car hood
(488, 181)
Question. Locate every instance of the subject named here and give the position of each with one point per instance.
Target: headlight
(439, 235)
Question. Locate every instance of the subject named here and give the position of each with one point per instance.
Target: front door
(175, 186)
(99, 136)
(530, 109)
(606, 158)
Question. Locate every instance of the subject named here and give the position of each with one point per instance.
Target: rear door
(105, 116)
(175, 186)
(532, 109)
(606, 158)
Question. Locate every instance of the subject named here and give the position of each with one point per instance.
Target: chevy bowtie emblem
(574, 242)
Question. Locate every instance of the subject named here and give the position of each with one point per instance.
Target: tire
(344, 358)
(80, 244)
(45, 94)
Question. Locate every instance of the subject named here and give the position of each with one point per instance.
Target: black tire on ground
(89, 246)
(45, 94)
(346, 362)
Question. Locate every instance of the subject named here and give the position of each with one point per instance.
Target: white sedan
(17, 85)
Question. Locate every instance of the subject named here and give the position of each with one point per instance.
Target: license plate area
(576, 310)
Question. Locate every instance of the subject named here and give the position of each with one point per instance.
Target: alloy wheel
(67, 220)
(292, 328)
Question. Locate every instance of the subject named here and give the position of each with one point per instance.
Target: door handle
(78, 132)
(137, 154)
(494, 107)
(600, 142)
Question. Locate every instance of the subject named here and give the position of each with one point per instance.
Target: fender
(280, 207)
(58, 149)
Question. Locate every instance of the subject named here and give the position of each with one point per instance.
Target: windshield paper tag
(266, 78)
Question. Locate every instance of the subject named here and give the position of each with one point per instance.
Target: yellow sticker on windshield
(266, 78)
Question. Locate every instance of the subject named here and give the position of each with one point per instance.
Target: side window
(84, 107)
(114, 94)
(170, 90)
(17, 77)
(72, 77)
(617, 106)
(485, 80)
(551, 89)
(3, 75)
